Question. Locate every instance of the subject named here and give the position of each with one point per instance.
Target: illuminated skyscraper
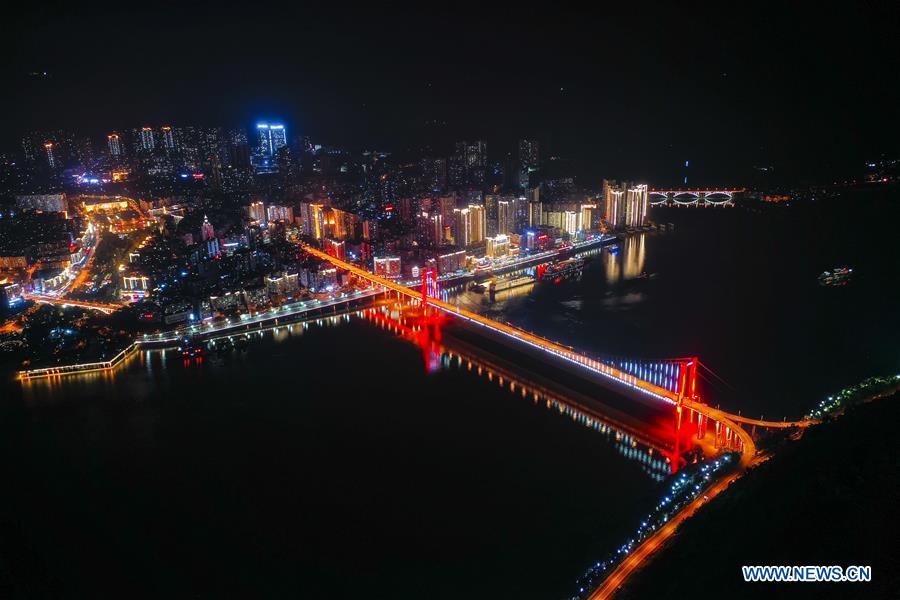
(206, 230)
(269, 138)
(115, 144)
(51, 157)
(528, 239)
(446, 204)
(570, 222)
(312, 216)
(476, 155)
(626, 204)
(505, 217)
(263, 141)
(430, 228)
(476, 223)
(529, 155)
(387, 266)
(168, 140)
(469, 163)
(586, 217)
(614, 198)
(279, 213)
(279, 137)
(636, 206)
(146, 139)
(335, 248)
(258, 212)
(529, 160)
(462, 233)
(498, 246)
(344, 224)
(535, 213)
(65, 148)
(490, 214)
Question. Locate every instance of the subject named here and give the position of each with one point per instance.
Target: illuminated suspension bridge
(654, 380)
(650, 444)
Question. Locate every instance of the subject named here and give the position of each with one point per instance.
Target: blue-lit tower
(269, 138)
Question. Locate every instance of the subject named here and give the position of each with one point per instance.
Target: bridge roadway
(44, 299)
(706, 191)
(568, 353)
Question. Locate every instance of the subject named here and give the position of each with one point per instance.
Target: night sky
(631, 92)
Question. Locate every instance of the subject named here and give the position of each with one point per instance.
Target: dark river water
(322, 462)
(327, 461)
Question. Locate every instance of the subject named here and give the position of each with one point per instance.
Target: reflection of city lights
(629, 262)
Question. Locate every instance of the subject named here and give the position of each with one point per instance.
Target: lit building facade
(257, 212)
(570, 222)
(134, 287)
(636, 202)
(387, 266)
(206, 230)
(496, 247)
(167, 138)
(335, 248)
(115, 145)
(269, 138)
(626, 204)
(313, 218)
(505, 217)
(476, 224)
(451, 262)
(146, 139)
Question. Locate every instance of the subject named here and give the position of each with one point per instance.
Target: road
(85, 269)
(44, 299)
(281, 312)
(642, 553)
(504, 266)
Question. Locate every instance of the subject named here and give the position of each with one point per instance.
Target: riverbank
(834, 494)
(284, 315)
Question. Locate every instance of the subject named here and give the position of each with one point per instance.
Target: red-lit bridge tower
(686, 387)
(430, 288)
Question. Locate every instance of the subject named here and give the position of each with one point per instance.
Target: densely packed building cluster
(188, 222)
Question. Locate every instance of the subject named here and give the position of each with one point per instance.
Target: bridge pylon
(430, 286)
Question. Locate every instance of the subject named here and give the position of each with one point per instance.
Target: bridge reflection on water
(653, 439)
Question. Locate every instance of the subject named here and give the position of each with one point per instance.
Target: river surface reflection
(325, 460)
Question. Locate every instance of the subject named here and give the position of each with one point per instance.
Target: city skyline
(608, 91)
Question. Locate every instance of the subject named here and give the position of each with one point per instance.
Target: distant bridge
(694, 197)
(98, 306)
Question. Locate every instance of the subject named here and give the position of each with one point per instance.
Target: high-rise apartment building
(206, 230)
(167, 138)
(270, 137)
(626, 204)
(636, 202)
(257, 212)
(145, 138)
(505, 217)
(115, 145)
(476, 224)
(387, 266)
(529, 161)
